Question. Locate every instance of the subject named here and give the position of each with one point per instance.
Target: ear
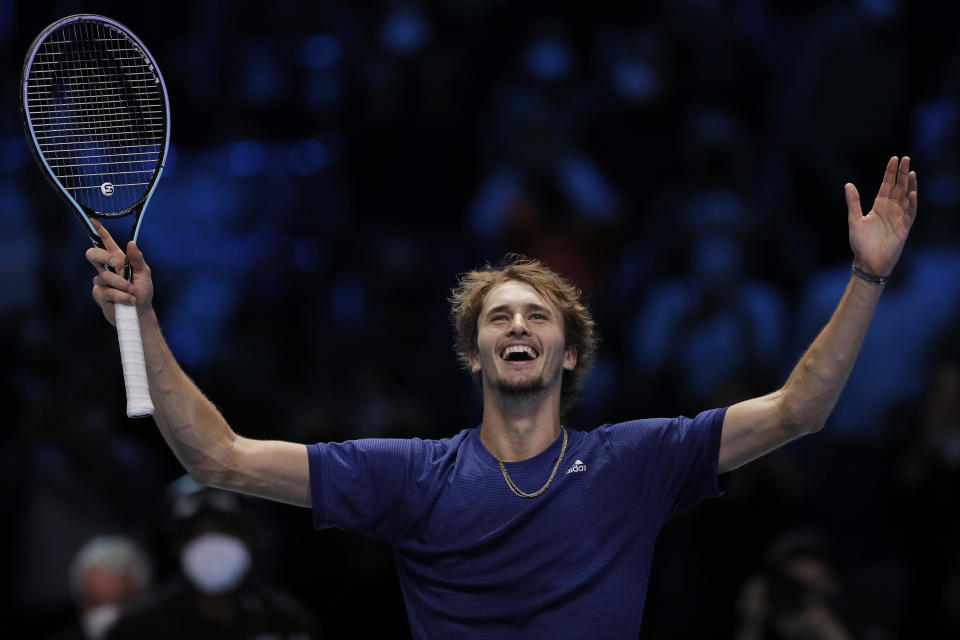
(570, 358)
(475, 362)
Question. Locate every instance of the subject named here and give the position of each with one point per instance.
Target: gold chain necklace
(516, 489)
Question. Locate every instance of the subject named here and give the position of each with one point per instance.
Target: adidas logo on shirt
(577, 467)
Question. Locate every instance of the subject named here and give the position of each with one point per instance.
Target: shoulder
(654, 432)
(414, 455)
(422, 446)
(452, 444)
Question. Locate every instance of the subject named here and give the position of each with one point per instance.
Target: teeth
(519, 348)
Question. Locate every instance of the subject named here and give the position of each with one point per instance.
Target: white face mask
(215, 562)
(97, 621)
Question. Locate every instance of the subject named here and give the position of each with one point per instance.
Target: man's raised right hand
(109, 287)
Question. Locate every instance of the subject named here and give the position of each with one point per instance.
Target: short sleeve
(372, 486)
(678, 456)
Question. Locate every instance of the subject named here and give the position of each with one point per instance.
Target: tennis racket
(96, 115)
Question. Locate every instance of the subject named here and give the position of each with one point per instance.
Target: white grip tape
(134, 367)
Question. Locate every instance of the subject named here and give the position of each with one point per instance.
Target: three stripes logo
(577, 467)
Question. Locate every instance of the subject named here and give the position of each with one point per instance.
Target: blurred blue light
(262, 77)
(13, 151)
(942, 189)
(188, 346)
(718, 258)
(199, 316)
(602, 381)
(715, 126)
(636, 261)
(20, 252)
(548, 59)
(246, 158)
(308, 157)
(197, 194)
(322, 90)
(310, 255)
(170, 161)
(936, 122)
(348, 299)
(714, 209)
(635, 80)
(404, 31)
(878, 10)
(584, 184)
(489, 210)
(14, 205)
(320, 51)
(6, 18)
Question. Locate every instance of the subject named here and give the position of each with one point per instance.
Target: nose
(517, 325)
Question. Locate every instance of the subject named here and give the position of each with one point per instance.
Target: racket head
(96, 114)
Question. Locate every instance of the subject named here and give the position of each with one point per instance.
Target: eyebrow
(530, 306)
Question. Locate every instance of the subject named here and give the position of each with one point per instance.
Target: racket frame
(83, 212)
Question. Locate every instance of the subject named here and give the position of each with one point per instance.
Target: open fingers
(108, 242)
(911, 207)
(889, 178)
(135, 256)
(854, 212)
(903, 173)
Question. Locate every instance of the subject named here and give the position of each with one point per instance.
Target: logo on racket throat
(106, 188)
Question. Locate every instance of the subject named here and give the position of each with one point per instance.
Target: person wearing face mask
(107, 574)
(216, 592)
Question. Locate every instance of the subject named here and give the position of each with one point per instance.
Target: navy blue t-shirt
(474, 560)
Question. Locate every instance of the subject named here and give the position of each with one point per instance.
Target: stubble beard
(523, 388)
(520, 388)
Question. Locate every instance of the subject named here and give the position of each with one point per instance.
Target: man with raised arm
(520, 527)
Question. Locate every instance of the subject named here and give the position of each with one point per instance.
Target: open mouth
(519, 353)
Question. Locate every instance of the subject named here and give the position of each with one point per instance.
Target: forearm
(191, 425)
(814, 386)
(193, 428)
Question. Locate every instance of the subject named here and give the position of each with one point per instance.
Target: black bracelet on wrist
(869, 277)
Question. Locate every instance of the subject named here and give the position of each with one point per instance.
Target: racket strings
(98, 115)
(116, 122)
(111, 130)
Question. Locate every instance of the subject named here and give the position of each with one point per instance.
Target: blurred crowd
(334, 166)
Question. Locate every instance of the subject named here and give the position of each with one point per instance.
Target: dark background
(334, 165)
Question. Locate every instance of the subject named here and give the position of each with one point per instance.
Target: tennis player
(520, 527)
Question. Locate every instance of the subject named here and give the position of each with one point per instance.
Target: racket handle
(134, 366)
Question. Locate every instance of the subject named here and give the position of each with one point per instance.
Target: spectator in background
(716, 333)
(544, 193)
(218, 593)
(796, 597)
(108, 574)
